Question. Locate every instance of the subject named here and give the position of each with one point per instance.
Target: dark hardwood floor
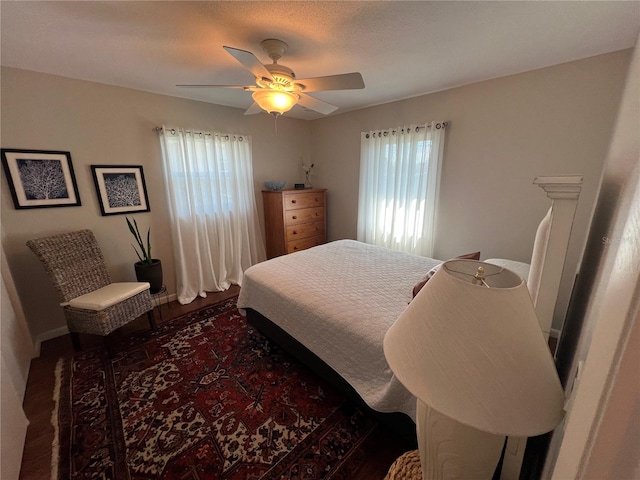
(39, 405)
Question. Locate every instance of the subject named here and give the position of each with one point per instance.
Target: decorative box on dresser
(294, 219)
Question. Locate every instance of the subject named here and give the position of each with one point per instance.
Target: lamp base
(450, 450)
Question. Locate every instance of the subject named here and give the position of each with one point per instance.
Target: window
(399, 177)
(206, 169)
(215, 228)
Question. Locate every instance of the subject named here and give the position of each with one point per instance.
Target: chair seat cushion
(107, 296)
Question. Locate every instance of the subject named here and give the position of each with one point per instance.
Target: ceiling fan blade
(253, 109)
(250, 61)
(345, 81)
(316, 105)
(216, 86)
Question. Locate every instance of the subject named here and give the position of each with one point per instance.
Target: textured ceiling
(402, 49)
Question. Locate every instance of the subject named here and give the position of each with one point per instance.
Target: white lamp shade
(275, 101)
(477, 354)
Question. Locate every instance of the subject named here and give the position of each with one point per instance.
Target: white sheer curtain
(399, 181)
(214, 222)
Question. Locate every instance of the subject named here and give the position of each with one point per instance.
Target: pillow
(418, 286)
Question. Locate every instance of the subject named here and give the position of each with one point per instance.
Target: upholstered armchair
(92, 304)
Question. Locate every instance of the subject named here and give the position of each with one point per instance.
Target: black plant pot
(151, 273)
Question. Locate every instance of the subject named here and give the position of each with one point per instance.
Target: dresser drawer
(295, 232)
(304, 215)
(304, 243)
(293, 201)
(294, 219)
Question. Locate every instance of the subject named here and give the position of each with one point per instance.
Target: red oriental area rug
(204, 397)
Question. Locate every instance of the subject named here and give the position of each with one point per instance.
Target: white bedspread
(338, 300)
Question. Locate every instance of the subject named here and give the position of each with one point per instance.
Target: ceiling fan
(277, 90)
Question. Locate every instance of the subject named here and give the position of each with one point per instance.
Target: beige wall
(598, 357)
(100, 124)
(502, 134)
(15, 358)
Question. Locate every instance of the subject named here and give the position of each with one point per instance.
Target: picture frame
(40, 178)
(120, 188)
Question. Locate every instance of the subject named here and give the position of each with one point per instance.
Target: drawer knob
(295, 217)
(295, 248)
(317, 214)
(295, 232)
(293, 201)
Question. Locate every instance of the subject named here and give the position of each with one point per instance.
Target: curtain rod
(392, 131)
(174, 130)
(439, 125)
(196, 132)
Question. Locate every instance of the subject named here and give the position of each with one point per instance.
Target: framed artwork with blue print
(120, 188)
(40, 178)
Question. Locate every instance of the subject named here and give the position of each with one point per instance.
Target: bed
(341, 316)
(332, 304)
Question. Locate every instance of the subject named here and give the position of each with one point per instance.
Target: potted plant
(148, 269)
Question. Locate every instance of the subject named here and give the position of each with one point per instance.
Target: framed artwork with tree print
(40, 178)
(120, 188)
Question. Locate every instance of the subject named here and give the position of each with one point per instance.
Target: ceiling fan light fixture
(275, 102)
(276, 89)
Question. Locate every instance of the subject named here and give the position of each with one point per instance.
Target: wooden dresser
(294, 220)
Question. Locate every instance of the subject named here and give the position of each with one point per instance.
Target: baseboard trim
(48, 335)
(173, 297)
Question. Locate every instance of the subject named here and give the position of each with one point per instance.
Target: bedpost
(547, 265)
(564, 192)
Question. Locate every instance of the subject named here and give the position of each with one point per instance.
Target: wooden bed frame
(549, 253)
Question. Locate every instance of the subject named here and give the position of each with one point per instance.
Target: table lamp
(470, 349)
